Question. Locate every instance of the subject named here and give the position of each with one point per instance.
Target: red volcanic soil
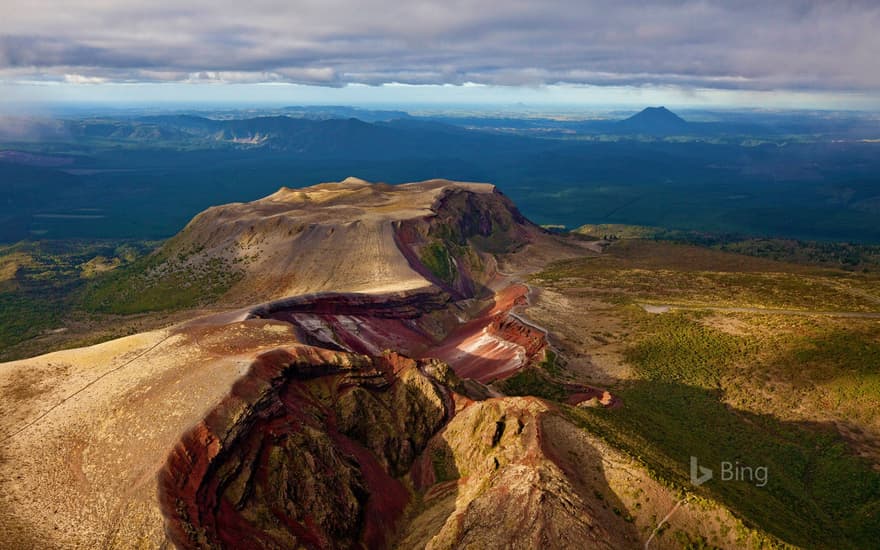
(491, 346)
(494, 344)
(360, 333)
(286, 460)
(310, 447)
(585, 393)
(360, 323)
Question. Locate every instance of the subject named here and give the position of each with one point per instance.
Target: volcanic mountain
(653, 121)
(348, 391)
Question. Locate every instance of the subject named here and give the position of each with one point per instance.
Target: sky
(784, 53)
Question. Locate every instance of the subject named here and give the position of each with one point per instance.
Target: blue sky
(781, 54)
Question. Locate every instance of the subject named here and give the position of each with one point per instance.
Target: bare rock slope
(355, 236)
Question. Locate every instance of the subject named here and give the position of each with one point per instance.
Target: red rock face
(360, 323)
(303, 453)
(496, 343)
(491, 346)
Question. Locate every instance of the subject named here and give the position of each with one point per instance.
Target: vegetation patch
(817, 492)
(159, 282)
(816, 495)
(846, 255)
(667, 273)
(26, 315)
(749, 388)
(530, 381)
(551, 363)
(40, 282)
(679, 349)
(840, 370)
(844, 351)
(437, 259)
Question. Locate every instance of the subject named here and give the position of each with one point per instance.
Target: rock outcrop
(454, 246)
(509, 492)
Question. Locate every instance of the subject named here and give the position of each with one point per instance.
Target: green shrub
(530, 381)
(437, 259)
(155, 284)
(680, 349)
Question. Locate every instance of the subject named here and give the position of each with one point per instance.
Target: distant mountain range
(303, 136)
(144, 175)
(317, 133)
(307, 129)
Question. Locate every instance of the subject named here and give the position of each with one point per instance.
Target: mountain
(653, 121)
(364, 365)
(318, 138)
(351, 236)
(347, 391)
(318, 289)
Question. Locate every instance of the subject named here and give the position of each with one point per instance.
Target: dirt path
(513, 313)
(516, 279)
(664, 520)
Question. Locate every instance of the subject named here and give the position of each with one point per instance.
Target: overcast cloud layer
(756, 45)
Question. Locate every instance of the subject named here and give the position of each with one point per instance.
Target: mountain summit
(653, 120)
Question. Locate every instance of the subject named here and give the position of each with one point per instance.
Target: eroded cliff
(306, 451)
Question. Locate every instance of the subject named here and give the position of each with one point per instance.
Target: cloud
(749, 45)
(81, 79)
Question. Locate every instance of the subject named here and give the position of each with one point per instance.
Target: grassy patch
(679, 349)
(843, 351)
(551, 363)
(80, 286)
(817, 495)
(531, 381)
(669, 273)
(837, 369)
(436, 258)
(40, 281)
(158, 283)
(26, 315)
(846, 255)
